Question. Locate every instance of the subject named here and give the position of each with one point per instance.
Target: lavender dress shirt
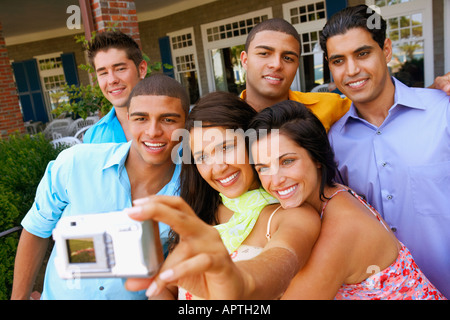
(403, 170)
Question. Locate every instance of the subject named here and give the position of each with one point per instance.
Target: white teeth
(229, 178)
(355, 84)
(287, 191)
(154, 145)
(272, 78)
(116, 91)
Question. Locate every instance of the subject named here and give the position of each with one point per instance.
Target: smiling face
(271, 63)
(222, 160)
(359, 67)
(152, 120)
(287, 171)
(117, 75)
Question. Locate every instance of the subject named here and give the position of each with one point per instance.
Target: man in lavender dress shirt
(393, 145)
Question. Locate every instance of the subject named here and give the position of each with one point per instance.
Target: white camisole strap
(268, 236)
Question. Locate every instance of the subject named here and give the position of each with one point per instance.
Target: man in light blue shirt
(90, 179)
(393, 145)
(119, 66)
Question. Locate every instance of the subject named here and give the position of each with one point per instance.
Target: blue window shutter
(30, 92)
(334, 6)
(70, 68)
(166, 55)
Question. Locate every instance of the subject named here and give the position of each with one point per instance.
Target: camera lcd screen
(81, 250)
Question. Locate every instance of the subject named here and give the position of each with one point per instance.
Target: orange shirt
(328, 107)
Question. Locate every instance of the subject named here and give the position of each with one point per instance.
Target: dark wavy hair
(217, 109)
(360, 16)
(298, 123)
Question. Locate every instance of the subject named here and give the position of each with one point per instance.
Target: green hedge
(23, 160)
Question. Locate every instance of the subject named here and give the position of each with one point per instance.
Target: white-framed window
(308, 17)
(182, 45)
(223, 43)
(410, 27)
(53, 79)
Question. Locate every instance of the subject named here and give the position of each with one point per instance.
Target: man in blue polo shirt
(119, 66)
(393, 145)
(96, 178)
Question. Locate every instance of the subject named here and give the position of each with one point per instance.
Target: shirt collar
(119, 157)
(293, 95)
(404, 96)
(304, 98)
(110, 115)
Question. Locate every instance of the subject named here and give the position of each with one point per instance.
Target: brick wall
(10, 115)
(120, 14)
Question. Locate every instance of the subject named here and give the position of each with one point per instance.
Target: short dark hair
(159, 84)
(275, 24)
(106, 40)
(354, 17)
(298, 123)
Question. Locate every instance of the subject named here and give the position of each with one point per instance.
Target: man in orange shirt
(271, 60)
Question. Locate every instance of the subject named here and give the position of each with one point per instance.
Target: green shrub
(23, 160)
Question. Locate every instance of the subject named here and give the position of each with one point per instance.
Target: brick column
(11, 119)
(118, 13)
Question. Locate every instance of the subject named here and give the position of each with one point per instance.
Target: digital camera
(106, 245)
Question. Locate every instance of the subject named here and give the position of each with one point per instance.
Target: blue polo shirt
(86, 179)
(107, 129)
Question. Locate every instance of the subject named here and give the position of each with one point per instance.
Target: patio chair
(59, 126)
(79, 124)
(68, 141)
(80, 133)
(93, 118)
(321, 88)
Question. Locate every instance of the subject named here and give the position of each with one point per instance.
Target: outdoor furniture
(93, 118)
(80, 133)
(59, 126)
(68, 141)
(34, 127)
(78, 124)
(321, 88)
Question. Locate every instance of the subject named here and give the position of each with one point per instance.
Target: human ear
(387, 49)
(244, 57)
(142, 69)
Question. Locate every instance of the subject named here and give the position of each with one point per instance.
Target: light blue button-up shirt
(403, 169)
(86, 179)
(107, 129)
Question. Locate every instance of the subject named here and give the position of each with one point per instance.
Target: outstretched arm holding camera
(201, 264)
